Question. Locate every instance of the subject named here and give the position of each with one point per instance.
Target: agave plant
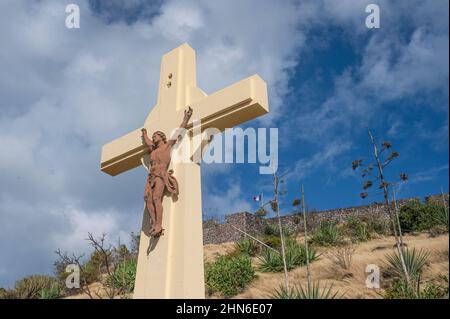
(271, 261)
(273, 229)
(283, 293)
(441, 217)
(247, 246)
(314, 292)
(327, 234)
(309, 292)
(415, 261)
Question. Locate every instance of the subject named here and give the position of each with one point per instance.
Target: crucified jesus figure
(159, 178)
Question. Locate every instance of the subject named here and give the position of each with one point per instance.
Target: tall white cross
(171, 266)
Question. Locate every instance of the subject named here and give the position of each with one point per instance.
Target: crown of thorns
(162, 135)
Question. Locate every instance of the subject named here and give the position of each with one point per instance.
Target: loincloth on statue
(170, 182)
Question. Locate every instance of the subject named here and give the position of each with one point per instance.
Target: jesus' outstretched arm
(147, 140)
(183, 125)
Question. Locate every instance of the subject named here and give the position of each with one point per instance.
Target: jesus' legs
(151, 210)
(149, 202)
(158, 192)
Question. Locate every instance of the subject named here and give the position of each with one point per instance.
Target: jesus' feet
(157, 231)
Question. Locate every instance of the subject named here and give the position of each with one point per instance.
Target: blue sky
(67, 92)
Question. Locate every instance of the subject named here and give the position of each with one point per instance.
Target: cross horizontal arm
(233, 105)
(123, 153)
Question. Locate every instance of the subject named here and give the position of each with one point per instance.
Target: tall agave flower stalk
(313, 289)
(394, 217)
(276, 207)
(308, 272)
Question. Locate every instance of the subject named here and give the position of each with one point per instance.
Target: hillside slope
(350, 284)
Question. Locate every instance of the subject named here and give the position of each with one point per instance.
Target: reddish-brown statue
(159, 178)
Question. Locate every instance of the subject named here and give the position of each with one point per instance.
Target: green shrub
(433, 291)
(52, 292)
(124, 276)
(416, 216)
(247, 246)
(229, 274)
(35, 286)
(121, 254)
(400, 290)
(90, 272)
(272, 235)
(409, 216)
(92, 269)
(272, 261)
(327, 234)
(379, 225)
(357, 230)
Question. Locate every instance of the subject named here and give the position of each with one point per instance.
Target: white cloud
(420, 65)
(80, 223)
(224, 201)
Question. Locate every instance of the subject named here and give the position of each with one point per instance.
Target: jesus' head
(159, 137)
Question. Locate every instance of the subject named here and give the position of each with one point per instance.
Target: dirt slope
(349, 283)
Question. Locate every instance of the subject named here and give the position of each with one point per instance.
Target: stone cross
(171, 266)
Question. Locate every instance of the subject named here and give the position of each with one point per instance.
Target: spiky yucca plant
(441, 217)
(327, 234)
(247, 246)
(309, 292)
(272, 261)
(283, 293)
(415, 261)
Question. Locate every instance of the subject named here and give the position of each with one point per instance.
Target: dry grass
(352, 286)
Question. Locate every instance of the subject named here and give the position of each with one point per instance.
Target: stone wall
(437, 199)
(215, 233)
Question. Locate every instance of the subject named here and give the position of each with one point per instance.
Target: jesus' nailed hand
(159, 179)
